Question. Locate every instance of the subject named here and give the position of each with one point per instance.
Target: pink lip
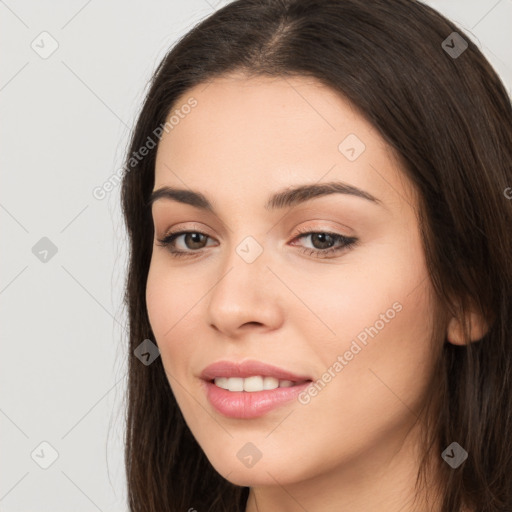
(247, 405)
(248, 369)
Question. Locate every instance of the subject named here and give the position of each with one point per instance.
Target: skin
(354, 445)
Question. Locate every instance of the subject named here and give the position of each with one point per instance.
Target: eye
(326, 244)
(193, 240)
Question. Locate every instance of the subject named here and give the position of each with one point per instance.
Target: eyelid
(324, 229)
(195, 227)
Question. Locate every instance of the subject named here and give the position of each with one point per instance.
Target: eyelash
(347, 243)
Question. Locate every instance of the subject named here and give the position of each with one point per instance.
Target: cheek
(382, 359)
(379, 312)
(170, 303)
(376, 389)
(363, 293)
(170, 296)
(170, 300)
(159, 301)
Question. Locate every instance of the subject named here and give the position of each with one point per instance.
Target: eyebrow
(287, 198)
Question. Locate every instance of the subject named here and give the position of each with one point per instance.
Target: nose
(245, 298)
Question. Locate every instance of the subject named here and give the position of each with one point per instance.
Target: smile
(253, 384)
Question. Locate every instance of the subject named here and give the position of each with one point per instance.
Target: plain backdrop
(72, 78)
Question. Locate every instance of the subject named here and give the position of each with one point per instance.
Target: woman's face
(252, 285)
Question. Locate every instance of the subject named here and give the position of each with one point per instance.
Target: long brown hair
(449, 118)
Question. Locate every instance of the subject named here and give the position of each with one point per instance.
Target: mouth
(250, 389)
(254, 383)
(250, 375)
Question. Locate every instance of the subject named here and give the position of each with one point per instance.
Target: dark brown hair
(449, 119)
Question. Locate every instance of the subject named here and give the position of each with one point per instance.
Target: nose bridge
(245, 269)
(245, 291)
(249, 250)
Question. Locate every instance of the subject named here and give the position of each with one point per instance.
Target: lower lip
(247, 405)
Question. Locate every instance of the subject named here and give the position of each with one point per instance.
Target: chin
(250, 477)
(262, 473)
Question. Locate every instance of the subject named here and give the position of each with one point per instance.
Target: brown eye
(324, 244)
(192, 241)
(322, 240)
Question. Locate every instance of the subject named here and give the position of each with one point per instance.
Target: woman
(316, 200)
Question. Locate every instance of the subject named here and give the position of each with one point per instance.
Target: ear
(476, 324)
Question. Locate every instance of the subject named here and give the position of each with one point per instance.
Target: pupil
(320, 236)
(195, 238)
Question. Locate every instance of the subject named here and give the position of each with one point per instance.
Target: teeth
(270, 383)
(251, 384)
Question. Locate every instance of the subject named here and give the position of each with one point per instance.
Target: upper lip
(248, 369)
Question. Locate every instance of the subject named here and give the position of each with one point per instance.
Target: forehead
(260, 133)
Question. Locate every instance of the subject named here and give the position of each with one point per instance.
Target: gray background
(65, 125)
